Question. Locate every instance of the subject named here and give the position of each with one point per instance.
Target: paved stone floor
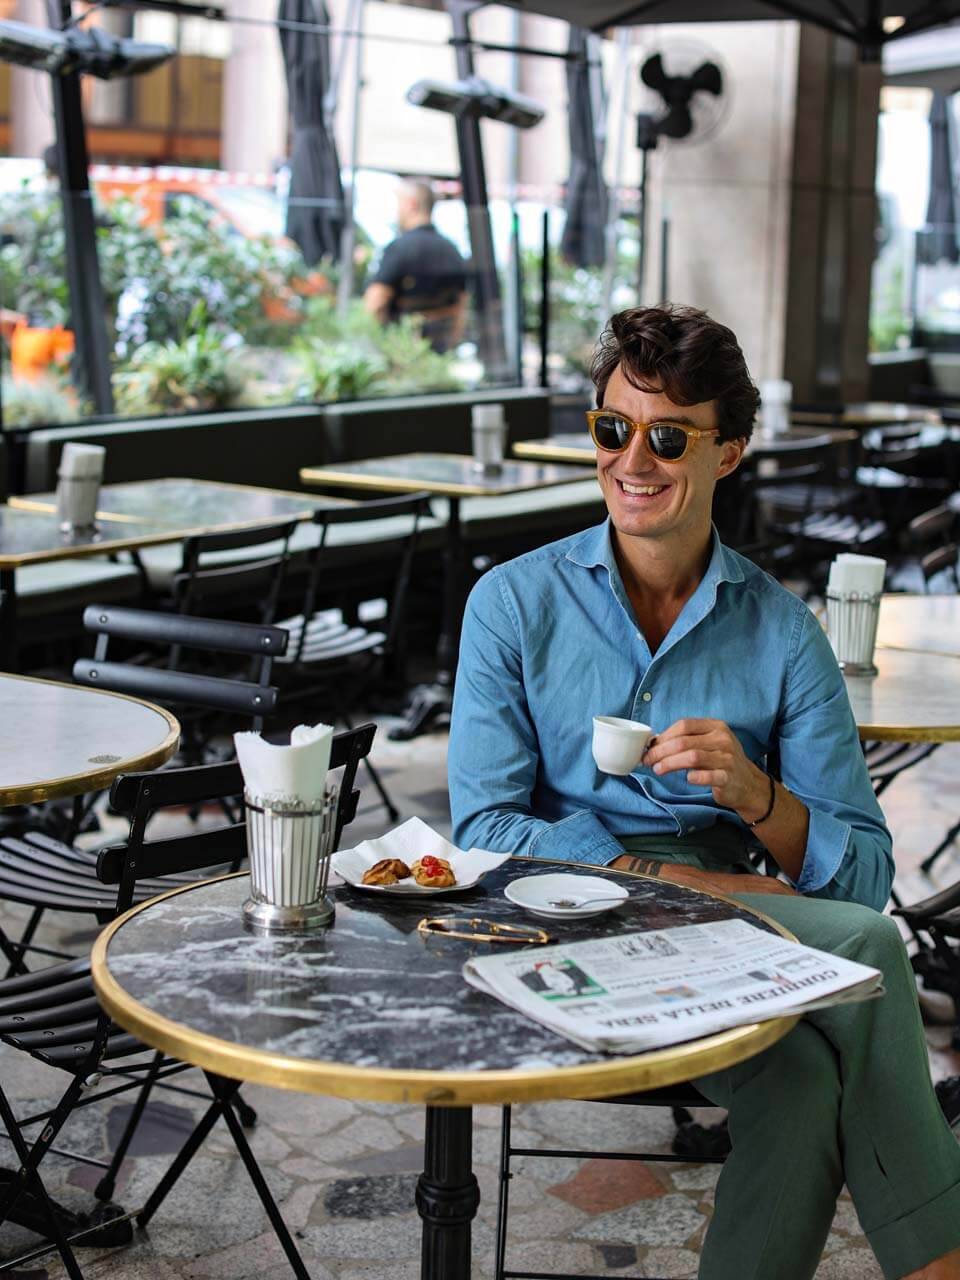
(344, 1172)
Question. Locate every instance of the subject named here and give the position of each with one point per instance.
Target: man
(421, 273)
(650, 617)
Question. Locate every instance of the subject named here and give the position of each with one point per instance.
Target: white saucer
(535, 893)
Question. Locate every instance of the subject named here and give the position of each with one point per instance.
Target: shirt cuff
(581, 837)
(827, 840)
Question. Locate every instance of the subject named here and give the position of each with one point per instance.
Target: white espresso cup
(618, 745)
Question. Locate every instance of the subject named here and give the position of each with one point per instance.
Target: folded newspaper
(641, 991)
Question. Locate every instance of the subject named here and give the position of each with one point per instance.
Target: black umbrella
(584, 233)
(315, 208)
(938, 242)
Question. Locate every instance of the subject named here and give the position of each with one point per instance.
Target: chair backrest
(253, 698)
(138, 796)
(942, 560)
(931, 526)
(416, 506)
(200, 584)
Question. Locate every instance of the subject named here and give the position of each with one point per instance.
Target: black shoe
(948, 1095)
(702, 1141)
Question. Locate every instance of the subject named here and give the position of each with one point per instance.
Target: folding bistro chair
(53, 1014)
(332, 659)
(47, 874)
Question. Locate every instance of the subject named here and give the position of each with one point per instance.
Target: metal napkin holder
(290, 846)
(852, 618)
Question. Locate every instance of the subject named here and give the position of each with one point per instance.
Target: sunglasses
(667, 441)
(479, 930)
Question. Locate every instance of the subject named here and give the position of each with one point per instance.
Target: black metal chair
(53, 1014)
(47, 874)
(333, 660)
(712, 1147)
(243, 568)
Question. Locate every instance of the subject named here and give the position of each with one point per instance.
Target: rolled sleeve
(493, 754)
(849, 850)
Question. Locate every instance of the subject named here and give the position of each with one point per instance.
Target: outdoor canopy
(859, 20)
(315, 200)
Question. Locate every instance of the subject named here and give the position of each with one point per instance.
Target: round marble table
(63, 740)
(914, 698)
(370, 1009)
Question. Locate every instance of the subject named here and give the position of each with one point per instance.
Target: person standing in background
(420, 273)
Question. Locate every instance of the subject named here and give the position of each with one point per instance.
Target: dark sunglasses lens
(667, 441)
(611, 432)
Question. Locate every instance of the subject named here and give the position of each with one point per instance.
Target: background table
(915, 697)
(133, 516)
(874, 413)
(925, 624)
(192, 506)
(453, 476)
(577, 446)
(369, 1009)
(64, 740)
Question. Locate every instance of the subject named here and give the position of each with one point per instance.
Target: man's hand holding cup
(712, 756)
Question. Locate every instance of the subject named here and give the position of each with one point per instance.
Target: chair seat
(329, 639)
(68, 585)
(53, 1015)
(345, 545)
(838, 528)
(39, 871)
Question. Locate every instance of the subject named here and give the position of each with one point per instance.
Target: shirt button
(647, 697)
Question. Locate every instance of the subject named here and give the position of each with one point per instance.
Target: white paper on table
(283, 774)
(82, 460)
(852, 572)
(414, 839)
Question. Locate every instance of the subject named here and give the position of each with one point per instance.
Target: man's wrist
(762, 802)
(639, 866)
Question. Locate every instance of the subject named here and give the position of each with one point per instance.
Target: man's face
(649, 498)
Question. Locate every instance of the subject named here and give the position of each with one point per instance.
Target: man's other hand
(710, 753)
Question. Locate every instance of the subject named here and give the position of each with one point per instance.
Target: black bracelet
(773, 797)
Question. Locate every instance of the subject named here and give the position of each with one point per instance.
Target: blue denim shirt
(550, 640)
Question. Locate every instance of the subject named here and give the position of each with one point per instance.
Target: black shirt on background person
(420, 273)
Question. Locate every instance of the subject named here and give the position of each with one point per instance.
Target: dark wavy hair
(684, 354)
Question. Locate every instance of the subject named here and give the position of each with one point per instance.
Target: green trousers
(845, 1097)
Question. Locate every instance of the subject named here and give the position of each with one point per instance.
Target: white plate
(535, 893)
(351, 865)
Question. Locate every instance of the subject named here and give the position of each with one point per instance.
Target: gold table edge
(657, 1068)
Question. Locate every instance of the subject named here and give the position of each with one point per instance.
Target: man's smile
(641, 490)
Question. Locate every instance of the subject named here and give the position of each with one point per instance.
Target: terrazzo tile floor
(344, 1172)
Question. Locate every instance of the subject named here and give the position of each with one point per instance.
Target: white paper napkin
(851, 572)
(82, 460)
(414, 839)
(286, 774)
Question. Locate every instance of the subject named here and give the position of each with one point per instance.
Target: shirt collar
(594, 550)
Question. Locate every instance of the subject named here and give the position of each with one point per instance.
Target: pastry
(386, 871)
(435, 873)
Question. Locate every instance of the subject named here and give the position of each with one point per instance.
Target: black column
(87, 312)
(486, 283)
(447, 1194)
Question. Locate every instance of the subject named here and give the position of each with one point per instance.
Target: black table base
(447, 1194)
(430, 705)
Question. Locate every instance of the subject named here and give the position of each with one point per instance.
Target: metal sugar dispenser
(78, 487)
(291, 823)
(290, 843)
(854, 591)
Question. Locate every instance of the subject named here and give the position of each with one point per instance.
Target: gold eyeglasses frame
(644, 429)
(476, 929)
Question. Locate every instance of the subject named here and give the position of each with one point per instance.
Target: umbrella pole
(613, 202)
(349, 234)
